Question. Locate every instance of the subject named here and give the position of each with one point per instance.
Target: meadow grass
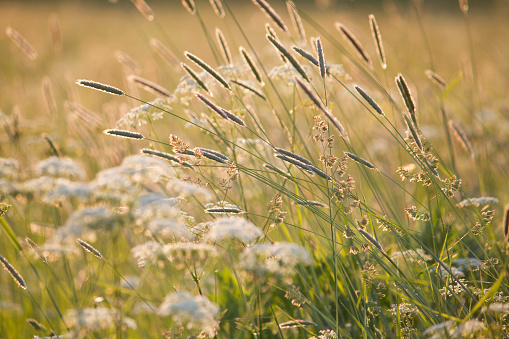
(286, 172)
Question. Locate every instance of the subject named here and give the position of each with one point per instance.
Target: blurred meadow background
(270, 169)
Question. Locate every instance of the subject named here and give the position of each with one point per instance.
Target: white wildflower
(64, 189)
(481, 201)
(9, 168)
(154, 206)
(190, 253)
(188, 189)
(8, 187)
(325, 334)
(234, 227)
(94, 218)
(441, 330)
(148, 252)
(403, 308)
(168, 228)
(500, 308)
(273, 259)
(59, 167)
(469, 328)
(417, 255)
(40, 186)
(94, 319)
(287, 73)
(195, 313)
(142, 114)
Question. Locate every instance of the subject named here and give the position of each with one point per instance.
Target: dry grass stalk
(369, 100)
(297, 323)
(189, 6)
(295, 162)
(127, 62)
(89, 248)
(413, 132)
(51, 143)
(92, 120)
(306, 55)
(377, 37)
(100, 87)
(462, 139)
(213, 155)
(407, 97)
(310, 203)
(221, 111)
(56, 33)
(324, 109)
(370, 238)
(293, 155)
(37, 326)
(250, 88)
(21, 43)
(225, 50)
(208, 69)
(49, 97)
(321, 58)
(166, 156)
(278, 171)
(222, 210)
(124, 134)
(288, 56)
(506, 221)
(144, 9)
(272, 33)
(217, 6)
(196, 78)
(149, 86)
(360, 160)
(464, 6)
(36, 249)
(271, 13)
(296, 21)
(164, 53)
(249, 61)
(353, 41)
(14, 274)
(437, 79)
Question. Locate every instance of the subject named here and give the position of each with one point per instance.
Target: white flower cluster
(279, 260)
(195, 313)
(88, 320)
(142, 114)
(233, 228)
(59, 167)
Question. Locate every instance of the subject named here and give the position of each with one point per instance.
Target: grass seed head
(100, 87)
(124, 134)
(14, 274)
